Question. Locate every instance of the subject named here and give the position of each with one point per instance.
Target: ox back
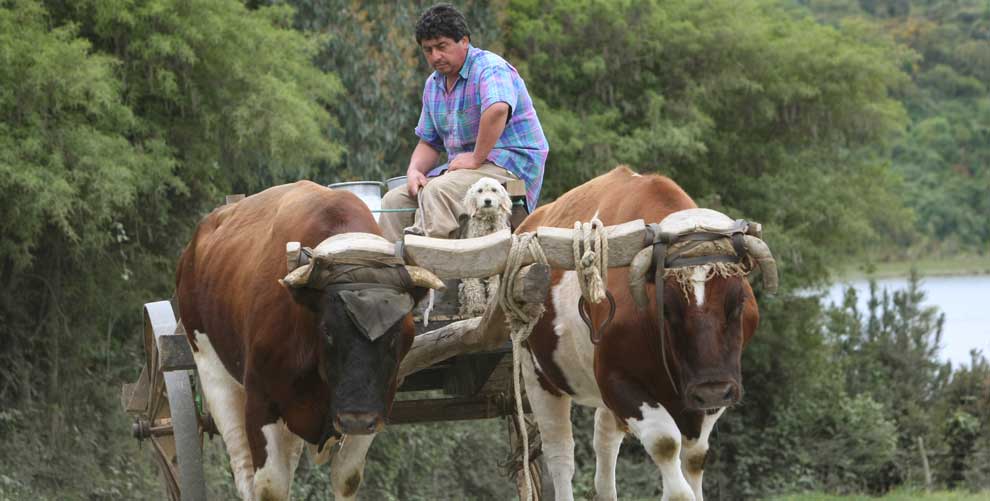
(257, 350)
(623, 376)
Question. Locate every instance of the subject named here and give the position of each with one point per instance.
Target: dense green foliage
(842, 125)
(122, 122)
(944, 157)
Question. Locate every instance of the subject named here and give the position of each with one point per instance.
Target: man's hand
(414, 181)
(423, 159)
(464, 161)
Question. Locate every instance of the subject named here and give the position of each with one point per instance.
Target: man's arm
(489, 130)
(423, 159)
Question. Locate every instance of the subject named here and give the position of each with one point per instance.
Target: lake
(965, 300)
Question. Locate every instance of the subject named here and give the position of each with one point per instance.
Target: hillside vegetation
(846, 127)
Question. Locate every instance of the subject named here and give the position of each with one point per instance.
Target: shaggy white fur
(488, 205)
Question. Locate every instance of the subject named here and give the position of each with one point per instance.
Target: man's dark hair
(442, 20)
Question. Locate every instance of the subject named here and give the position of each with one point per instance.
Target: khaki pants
(439, 202)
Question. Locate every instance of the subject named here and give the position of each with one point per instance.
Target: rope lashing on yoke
(521, 320)
(590, 246)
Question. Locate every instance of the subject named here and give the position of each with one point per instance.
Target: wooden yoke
(486, 256)
(480, 257)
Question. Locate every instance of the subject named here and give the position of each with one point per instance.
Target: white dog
(488, 207)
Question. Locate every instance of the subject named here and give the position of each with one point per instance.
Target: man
(477, 109)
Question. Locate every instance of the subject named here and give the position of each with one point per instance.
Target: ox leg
(226, 400)
(662, 439)
(282, 447)
(553, 416)
(347, 466)
(608, 440)
(694, 452)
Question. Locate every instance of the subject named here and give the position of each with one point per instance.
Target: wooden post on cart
(163, 404)
(542, 484)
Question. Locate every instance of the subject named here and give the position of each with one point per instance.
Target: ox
(667, 378)
(307, 357)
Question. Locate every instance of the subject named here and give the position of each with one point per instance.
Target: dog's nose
(488, 202)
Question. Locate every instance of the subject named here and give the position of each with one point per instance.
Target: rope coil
(590, 247)
(521, 320)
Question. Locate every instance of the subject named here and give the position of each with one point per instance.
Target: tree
(372, 47)
(121, 123)
(890, 354)
(944, 154)
(752, 110)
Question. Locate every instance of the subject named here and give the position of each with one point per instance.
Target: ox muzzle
(712, 395)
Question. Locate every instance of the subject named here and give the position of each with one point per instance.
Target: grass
(899, 495)
(942, 266)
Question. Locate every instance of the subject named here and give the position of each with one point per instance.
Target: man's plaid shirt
(449, 121)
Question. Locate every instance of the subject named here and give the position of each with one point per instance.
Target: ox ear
(305, 296)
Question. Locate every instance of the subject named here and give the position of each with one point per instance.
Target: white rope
(592, 263)
(592, 268)
(521, 320)
(429, 308)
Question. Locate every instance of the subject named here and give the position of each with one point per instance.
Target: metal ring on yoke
(583, 310)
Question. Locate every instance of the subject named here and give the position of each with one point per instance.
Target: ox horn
(761, 252)
(298, 277)
(298, 265)
(421, 277)
(638, 268)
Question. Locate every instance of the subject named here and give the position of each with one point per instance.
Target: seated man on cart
(475, 108)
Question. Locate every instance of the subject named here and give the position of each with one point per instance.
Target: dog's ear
(506, 201)
(470, 201)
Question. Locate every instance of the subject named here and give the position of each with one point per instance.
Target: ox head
(698, 266)
(361, 294)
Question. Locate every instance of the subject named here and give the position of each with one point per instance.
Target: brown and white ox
(285, 361)
(707, 320)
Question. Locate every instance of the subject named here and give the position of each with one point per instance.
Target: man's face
(445, 55)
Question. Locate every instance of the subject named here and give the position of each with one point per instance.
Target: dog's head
(487, 198)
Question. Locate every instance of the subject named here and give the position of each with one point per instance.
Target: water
(965, 301)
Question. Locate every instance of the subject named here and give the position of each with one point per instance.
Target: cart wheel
(174, 423)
